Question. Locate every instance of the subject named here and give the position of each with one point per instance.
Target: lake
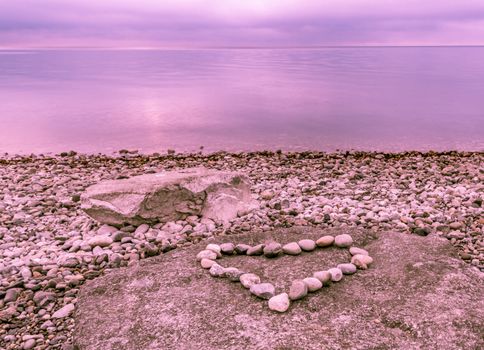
(387, 98)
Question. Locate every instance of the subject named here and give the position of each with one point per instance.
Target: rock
(242, 248)
(263, 290)
(100, 241)
(298, 290)
(12, 294)
(29, 344)
(206, 254)
(64, 311)
(255, 250)
(323, 276)
(233, 274)
(347, 269)
(336, 274)
(291, 249)
(42, 298)
(361, 261)
(272, 250)
(343, 241)
(355, 251)
(313, 284)
(307, 244)
(456, 225)
(249, 279)
(279, 302)
(217, 271)
(215, 248)
(227, 248)
(207, 263)
(325, 241)
(168, 196)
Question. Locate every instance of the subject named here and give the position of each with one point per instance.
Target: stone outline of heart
(360, 259)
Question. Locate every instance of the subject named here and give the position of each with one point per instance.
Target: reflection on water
(347, 98)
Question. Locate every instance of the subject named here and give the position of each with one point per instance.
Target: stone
(217, 271)
(168, 196)
(279, 302)
(255, 250)
(272, 250)
(291, 249)
(233, 274)
(100, 241)
(347, 269)
(29, 344)
(214, 247)
(307, 244)
(12, 295)
(323, 276)
(313, 284)
(207, 263)
(355, 251)
(343, 241)
(227, 248)
(362, 261)
(336, 274)
(263, 290)
(325, 241)
(42, 298)
(249, 279)
(298, 290)
(206, 254)
(63, 312)
(241, 248)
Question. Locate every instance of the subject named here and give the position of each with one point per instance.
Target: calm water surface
(242, 99)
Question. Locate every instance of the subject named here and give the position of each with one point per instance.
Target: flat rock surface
(417, 295)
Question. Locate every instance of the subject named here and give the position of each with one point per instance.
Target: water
(242, 99)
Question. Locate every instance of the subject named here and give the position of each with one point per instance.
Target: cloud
(239, 23)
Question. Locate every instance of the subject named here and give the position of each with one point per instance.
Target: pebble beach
(49, 246)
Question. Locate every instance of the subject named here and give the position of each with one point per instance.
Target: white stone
(313, 284)
(249, 279)
(355, 250)
(207, 263)
(279, 303)
(343, 241)
(64, 311)
(263, 290)
(336, 274)
(101, 241)
(206, 254)
(291, 249)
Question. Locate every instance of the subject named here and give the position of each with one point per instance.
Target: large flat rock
(416, 295)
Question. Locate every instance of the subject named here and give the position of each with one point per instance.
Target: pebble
(263, 290)
(347, 269)
(249, 279)
(313, 284)
(307, 244)
(298, 290)
(241, 248)
(355, 251)
(323, 276)
(279, 302)
(206, 254)
(29, 344)
(214, 247)
(207, 263)
(343, 241)
(272, 250)
(336, 274)
(64, 311)
(12, 295)
(227, 248)
(216, 270)
(255, 250)
(325, 241)
(233, 274)
(291, 249)
(101, 241)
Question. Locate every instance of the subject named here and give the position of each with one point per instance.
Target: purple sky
(189, 23)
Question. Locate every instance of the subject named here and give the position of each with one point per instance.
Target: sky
(238, 23)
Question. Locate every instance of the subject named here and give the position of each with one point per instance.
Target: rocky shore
(49, 247)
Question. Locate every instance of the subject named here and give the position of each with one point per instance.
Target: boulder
(168, 196)
(418, 294)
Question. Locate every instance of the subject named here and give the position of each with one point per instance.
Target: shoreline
(43, 231)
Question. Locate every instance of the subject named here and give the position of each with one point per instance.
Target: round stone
(241, 248)
(347, 269)
(263, 290)
(279, 302)
(336, 274)
(207, 263)
(343, 241)
(227, 248)
(298, 290)
(213, 247)
(356, 250)
(325, 241)
(255, 250)
(323, 276)
(217, 271)
(313, 284)
(291, 249)
(307, 244)
(361, 261)
(272, 250)
(249, 279)
(29, 344)
(233, 274)
(206, 254)
(101, 241)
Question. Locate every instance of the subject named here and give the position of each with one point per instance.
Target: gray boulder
(168, 196)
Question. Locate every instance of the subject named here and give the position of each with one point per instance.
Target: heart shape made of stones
(360, 259)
